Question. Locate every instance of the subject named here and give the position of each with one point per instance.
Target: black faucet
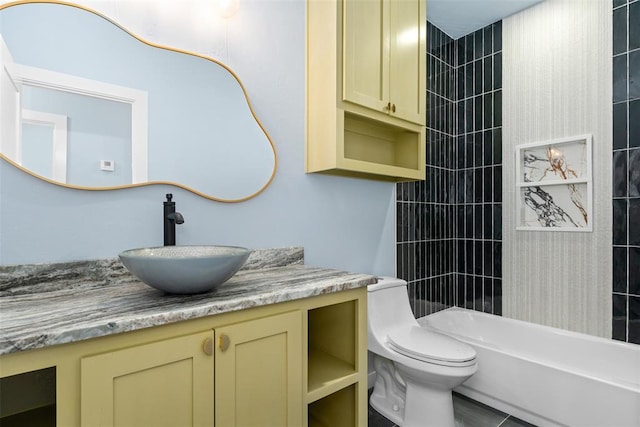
(171, 218)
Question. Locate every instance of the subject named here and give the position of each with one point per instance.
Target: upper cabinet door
(384, 56)
(407, 93)
(366, 53)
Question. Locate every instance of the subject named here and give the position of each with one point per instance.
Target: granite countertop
(47, 304)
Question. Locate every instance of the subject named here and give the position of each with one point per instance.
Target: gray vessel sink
(184, 269)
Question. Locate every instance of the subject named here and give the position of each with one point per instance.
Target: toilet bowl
(416, 368)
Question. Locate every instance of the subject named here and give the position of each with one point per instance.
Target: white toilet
(416, 368)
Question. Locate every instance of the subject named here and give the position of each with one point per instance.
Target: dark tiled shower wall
(478, 200)
(626, 170)
(449, 227)
(425, 211)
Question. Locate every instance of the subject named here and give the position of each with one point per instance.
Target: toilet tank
(388, 307)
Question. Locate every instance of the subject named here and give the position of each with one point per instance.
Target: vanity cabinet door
(165, 383)
(258, 372)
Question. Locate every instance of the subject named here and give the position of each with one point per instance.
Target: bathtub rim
(627, 385)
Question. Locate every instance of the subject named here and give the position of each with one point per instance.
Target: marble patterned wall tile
(557, 82)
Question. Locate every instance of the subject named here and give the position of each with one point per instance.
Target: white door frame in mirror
(9, 105)
(58, 123)
(138, 100)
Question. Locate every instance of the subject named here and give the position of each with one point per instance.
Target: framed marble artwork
(554, 185)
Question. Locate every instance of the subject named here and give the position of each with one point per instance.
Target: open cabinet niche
(28, 399)
(337, 365)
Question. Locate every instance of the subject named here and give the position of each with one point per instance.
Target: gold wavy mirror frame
(113, 111)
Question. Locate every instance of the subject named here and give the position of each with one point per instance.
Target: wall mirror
(86, 104)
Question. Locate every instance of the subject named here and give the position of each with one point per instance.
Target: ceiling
(458, 18)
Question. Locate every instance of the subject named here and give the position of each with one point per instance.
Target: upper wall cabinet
(366, 88)
(383, 57)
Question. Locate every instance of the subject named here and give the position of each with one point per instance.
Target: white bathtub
(544, 375)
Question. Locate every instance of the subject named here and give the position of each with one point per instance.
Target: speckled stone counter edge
(101, 298)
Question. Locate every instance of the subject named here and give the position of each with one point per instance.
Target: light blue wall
(341, 222)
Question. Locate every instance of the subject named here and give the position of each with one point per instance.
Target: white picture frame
(554, 185)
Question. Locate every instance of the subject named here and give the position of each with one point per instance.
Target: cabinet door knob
(224, 342)
(393, 108)
(388, 106)
(207, 346)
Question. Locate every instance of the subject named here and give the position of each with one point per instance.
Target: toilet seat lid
(430, 346)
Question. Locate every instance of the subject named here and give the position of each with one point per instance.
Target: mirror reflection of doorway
(81, 124)
(98, 130)
(44, 144)
(9, 105)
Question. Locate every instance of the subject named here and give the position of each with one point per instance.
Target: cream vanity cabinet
(366, 88)
(257, 378)
(296, 363)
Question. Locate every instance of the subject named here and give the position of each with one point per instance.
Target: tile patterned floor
(467, 412)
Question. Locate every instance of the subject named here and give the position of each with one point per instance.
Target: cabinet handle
(393, 108)
(388, 106)
(224, 342)
(207, 346)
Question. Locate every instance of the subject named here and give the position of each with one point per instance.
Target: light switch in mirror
(86, 90)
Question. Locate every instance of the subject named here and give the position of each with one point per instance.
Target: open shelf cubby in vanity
(337, 364)
(29, 399)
